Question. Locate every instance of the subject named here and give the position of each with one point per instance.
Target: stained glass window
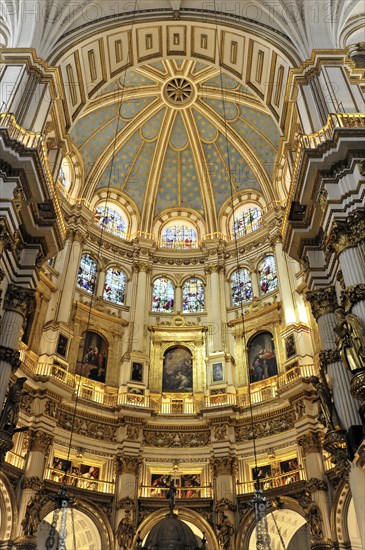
(111, 220)
(193, 295)
(241, 287)
(267, 274)
(163, 295)
(114, 287)
(179, 236)
(246, 221)
(86, 276)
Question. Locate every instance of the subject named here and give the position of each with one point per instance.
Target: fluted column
(141, 306)
(127, 470)
(323, 303)
(285, 285)
(346, 240)
(214, 311)
(317, 487)
(18, 303)
(74, 244)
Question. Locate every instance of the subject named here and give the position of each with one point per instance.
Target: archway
(81, 532)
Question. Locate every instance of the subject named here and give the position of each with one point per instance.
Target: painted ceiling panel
(168, 190)
(130, 108)
(178, 136)
(136, 182)
(226, 109)
(132, 78)
(206, 129)
(98, 142)
(91, 122)
(122, 165)
(152, 128)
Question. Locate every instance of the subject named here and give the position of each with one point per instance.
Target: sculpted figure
(32, 516)
(225, 531)
(327, 416)
(314, 520)
(350, 340)
(125, 533)
(10, 412)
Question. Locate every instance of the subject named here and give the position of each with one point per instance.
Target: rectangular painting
(290, 347)
(137, 372)
(177, 370)
(62, 345)
(93, 356)
(217, 372)
(262, 357)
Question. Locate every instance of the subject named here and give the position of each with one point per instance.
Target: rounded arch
(163, 294)
(193, 294)
(88, 521)
(177, 369)
(249, 198)
(290, 517)
(123, 202)
(87, 272)
(185, 514)
(240, 285)
(267, 274)
(179, 233)
(343, 517)
(8, 509)
(115, 285)
(185, 214)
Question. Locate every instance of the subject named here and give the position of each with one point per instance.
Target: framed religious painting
(137, 372)
(93, 357)
(290, 347)
(62, 345)
(177, 370)
(217, 372)
(262, 357)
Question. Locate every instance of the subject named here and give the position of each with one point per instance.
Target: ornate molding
(314, 484)
(86, 427)
(322, 301)
(335, 444)
(310, 443)
(220, 432)
(328, 356)
(128, 465)
(34, 483)
(41, 441)
(11, 356)
(176, 439)
(266, 426)
(352, 295)
(340, 238)
(19, 299)
(224, 466)
(132, 432)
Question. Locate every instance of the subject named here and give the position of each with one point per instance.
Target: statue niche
(177, 371)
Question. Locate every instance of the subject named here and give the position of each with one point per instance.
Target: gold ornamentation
(350, 340)
(125, 532)
(225, 531)
(335, 444)
(357, 389)
(132, 432)
(41, 441)
(223, 466)
(266, 427)
(220, 432)
(322, 301)
(310, 443)
(341, 238)
(32, 515)
(34, 483)
(11, 356)
(352, 295)
(176, 439)
(128, 465)
(19, 299)
(327, 412)
(97, 430)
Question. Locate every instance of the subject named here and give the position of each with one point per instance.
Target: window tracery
(163, 295)
(241, 286)
(111, 219)
(267, 275)
(86, 277)
(193, 295)
(179, 236)
(114, 286)
(246, 221)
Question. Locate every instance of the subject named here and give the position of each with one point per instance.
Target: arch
(179, 234)
(193, 296)
(240, 200)
(90, 516)
(245, 220)
(125, 203)
(241, 286)
(268, 280)
(343, 518)
(185, 514)
(8, 509)
(111, 217)
(290, 511)
(163, 295)
(86, 277)
(185, 214)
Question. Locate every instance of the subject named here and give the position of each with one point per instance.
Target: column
(39, 445)
(357, 484)
(101, 280)
(255, 283)
(18, 303)
(286, 292)
(225, 472)
(323, 303)
(214, 311)
(141, 307)
(178, 298)
(126, 494)
(317, 510)
(75, 244)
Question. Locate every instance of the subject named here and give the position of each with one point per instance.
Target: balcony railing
(220, 399)
(15, 460)
(133, 399)
(80, 481)
(272, 482)
(148, 491)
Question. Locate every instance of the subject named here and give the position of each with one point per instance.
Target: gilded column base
(357, 389)
(6, 444)
(27, 542)
(321, 544)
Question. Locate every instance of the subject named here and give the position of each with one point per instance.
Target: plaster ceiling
(165, 151)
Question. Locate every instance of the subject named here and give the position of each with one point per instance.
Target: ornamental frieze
(314, 484)
(322, 301)
(96, 430)
(40, 441)
(34, 483)
(266, 427)
(176, 439)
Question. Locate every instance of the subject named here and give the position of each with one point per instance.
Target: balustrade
(272, 482)
(80, 481)
(149, 491)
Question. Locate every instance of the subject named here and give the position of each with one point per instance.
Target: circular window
(179, 91)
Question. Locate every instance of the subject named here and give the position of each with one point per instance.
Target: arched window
(111, 219)
(64, 174)
(246, 221)
(179, 236)
(163, 295)
(241, 287)
(267, 275)
(193, 295)
(86, 277)
(114, 287)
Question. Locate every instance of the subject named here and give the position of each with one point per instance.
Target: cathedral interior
(182, 275)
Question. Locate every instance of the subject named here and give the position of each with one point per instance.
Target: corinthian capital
(19, 299)
(341, 238)
(322, 301)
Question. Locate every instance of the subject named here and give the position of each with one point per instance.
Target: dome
(171, 534)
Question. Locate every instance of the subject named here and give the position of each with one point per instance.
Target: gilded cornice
(322, 301)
